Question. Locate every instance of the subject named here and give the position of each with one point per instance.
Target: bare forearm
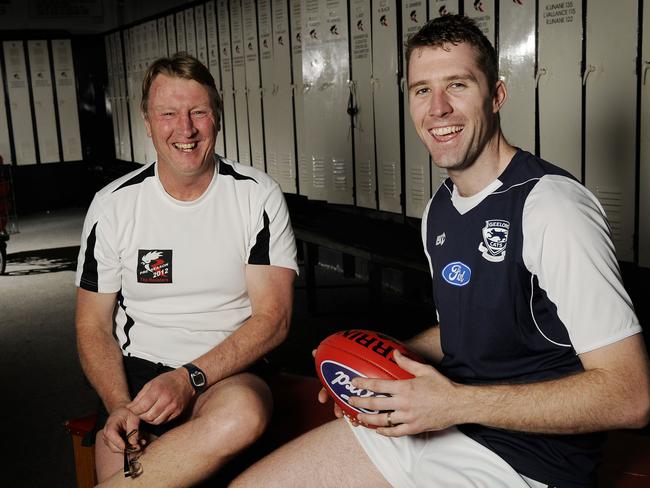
(585, 402)
(427, 344)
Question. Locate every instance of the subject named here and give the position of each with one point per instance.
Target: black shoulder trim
(228, 170)
(89, 278)
(139, 178)
(129, 321)
(260, 251)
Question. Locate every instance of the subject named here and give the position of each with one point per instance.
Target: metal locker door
(5, 143)
(66, 99)
(417, 168)
(213, 65)
(266, 77)
(43, 97)
(644, 176)
(162, 38)
(239, 79)
(171, 35)
(201, 39)
(141, 56)
(482, 11)
(363, 118)
(560, 84)
(517, 69)
(253, 90)
(181, 41)
(19, 104)
(225, 56)
(190, 32)
(305, 171)
(125, 153)
(610, 79)
(111, 91)
(385, 72)
(131, 85)
(438, 8)
(283, 168)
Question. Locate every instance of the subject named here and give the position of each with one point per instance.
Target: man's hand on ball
(424, 403)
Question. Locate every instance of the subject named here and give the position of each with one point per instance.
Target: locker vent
(366, 178)
(318, 171)
(417, 184)
(389, 186)
(339, 174)
(286, 165)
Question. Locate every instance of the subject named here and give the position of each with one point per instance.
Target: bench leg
(84, 460)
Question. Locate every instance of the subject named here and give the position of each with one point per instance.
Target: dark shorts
(138, 373)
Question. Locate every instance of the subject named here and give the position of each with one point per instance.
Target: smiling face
(454, 111)
(182, 124)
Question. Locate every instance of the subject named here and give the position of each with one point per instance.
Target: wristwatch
(197, 378)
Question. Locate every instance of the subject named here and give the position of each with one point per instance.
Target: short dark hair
(181, 65)
(457, 29)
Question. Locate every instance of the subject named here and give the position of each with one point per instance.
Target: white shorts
(446, 459)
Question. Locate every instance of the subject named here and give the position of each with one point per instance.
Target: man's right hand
(163, 398)
(120, 422)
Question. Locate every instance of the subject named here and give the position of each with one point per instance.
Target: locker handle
(540, 72)
(402, 84)
(646, 67)
(590, 69)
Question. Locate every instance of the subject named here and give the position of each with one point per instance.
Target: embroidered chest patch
(154, 266)
(495, 240)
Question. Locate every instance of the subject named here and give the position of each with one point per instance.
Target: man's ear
(500, 96)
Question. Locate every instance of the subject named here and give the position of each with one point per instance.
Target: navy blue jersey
(511, 277)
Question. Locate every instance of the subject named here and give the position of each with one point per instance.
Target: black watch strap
(197, 377)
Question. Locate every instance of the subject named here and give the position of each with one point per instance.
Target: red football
(356, 352)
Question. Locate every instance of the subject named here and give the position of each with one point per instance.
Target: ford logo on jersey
(339, 381)
(457, 273)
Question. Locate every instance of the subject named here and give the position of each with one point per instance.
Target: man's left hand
(421, 404)
(163, 398)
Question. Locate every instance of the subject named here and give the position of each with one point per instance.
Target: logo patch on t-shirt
(154, 265)
(495, 240)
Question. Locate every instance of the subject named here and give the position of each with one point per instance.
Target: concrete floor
(42, 381)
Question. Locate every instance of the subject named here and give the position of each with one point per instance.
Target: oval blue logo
(339, 382)
(457, 273)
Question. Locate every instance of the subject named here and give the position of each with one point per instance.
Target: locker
(201, 39)
(517, 69)
(5, 143)
(213, 65)
(644, 176)
(482, 11)
(361, 103)
(181, 41)
(149, 54)
(125, 153)
(19, 103)
(266, 79)
(111, 91)
(282, 164)
(560, 84)
(162, 38)
(132, 99)
(43, 96)
(610, 110)
(253, 88)
(66, 95)
(225, 56)
(305, 170)
(171, 35)
(326, 71)
(417, 168)
(239, 79)
(190, 32)
(385, 72)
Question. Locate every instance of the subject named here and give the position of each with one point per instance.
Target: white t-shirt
(179, 267)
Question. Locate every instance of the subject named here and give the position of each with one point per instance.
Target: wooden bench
(626, 455)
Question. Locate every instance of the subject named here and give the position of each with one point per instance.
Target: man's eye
(421, 91)
(199, 113)
(457, 85)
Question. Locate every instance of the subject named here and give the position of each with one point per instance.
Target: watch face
(198, 379)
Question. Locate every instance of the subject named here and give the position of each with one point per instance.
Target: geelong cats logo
(495, 239)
